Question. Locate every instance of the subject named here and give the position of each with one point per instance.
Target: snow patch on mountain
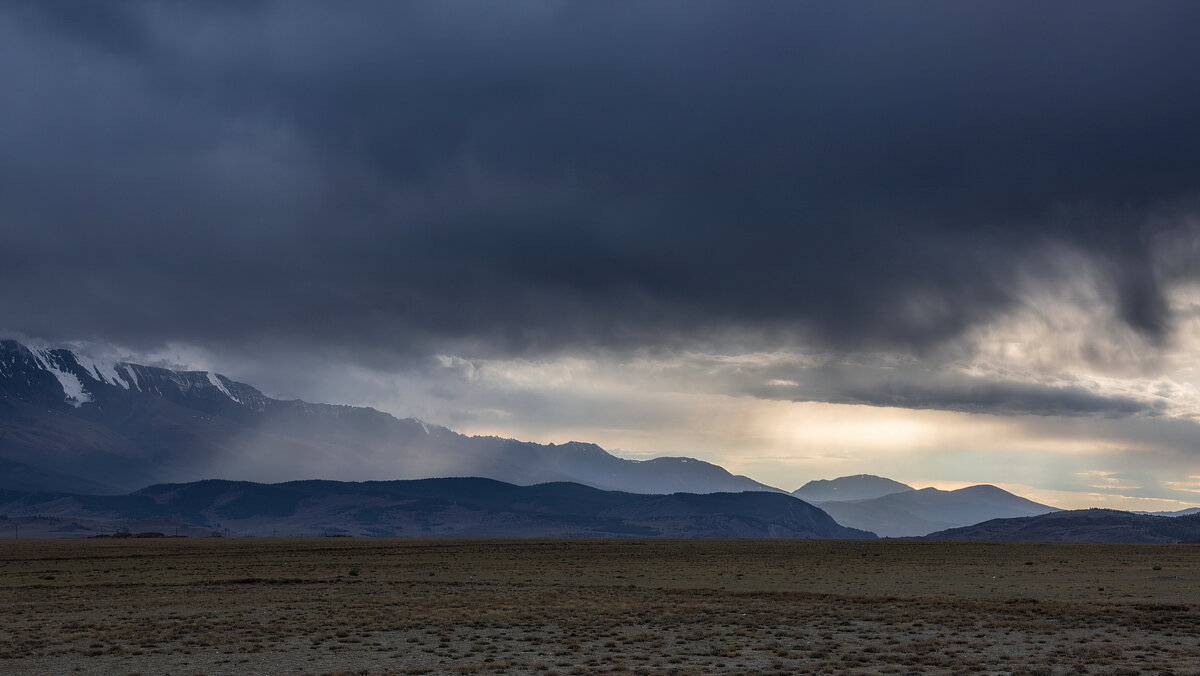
(216, 381)
(76, 394)
(132, 374)
(104, 371)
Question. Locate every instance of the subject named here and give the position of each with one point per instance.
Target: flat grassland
(373, 606)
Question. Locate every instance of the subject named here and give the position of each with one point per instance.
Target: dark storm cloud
(951, 392)
(524, 176)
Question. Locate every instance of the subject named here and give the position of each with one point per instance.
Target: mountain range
(428, 508)
(75, 429)
(893, 509)
(76, 424)
(1082, 525)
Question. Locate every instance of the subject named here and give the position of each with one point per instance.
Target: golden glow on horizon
(786, 444)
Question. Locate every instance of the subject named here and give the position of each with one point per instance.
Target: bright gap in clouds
(786, 444)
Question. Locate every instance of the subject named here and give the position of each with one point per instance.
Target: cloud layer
(534, 176)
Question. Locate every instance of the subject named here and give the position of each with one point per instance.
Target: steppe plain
(375, 606)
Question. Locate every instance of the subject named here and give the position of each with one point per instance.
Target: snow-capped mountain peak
(84, 379)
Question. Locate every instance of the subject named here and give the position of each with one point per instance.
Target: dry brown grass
(351, 606)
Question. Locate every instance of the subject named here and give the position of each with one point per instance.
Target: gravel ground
(369, 606)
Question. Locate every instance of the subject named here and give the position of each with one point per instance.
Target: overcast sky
(946, 242)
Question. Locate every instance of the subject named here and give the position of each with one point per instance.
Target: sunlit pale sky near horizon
(948, 243)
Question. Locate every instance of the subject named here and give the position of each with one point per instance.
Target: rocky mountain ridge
(68, 422)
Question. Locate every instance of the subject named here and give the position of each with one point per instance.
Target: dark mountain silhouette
(69, 423)
(918, 512)
(1180, 512)
(436, 507)
(1084, 525)
(848, 488)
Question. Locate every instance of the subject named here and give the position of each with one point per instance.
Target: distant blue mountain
(847, 488)
(918, 512)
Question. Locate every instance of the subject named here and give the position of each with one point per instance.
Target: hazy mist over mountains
(70, 423)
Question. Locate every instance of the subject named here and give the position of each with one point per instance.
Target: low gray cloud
(967, 394)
